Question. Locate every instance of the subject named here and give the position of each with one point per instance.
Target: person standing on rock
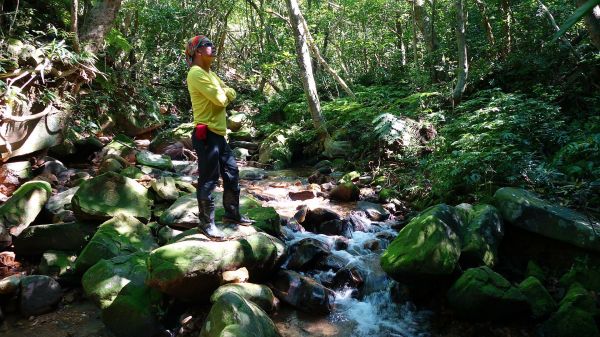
(210, 96)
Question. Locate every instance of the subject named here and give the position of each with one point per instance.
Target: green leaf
(579, 13)
(116, 39)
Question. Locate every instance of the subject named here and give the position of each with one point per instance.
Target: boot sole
(232, 221)
(210, 237)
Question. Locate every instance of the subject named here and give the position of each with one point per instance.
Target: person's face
(207, 52)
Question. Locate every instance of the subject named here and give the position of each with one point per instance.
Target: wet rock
(313, 218)
(375, 212)
(10, 174)
(53, 166)
(158, 161)
(341, 243)
(306, 252)
(232, 315)
(335, 227)
(303, 292)
(21, 209)
(301, 195)
(481, 293)
(359, 222)
(165, 188)
(58, 264)
(386, 236)
(345, 192)
(192, 269)
(540, 301)
(480, 234)
(373, 244)
(332, 262)
(258, 294)
(71, 236)
(183, 213)
(526, 210)
(348, 276)
(121, 235)
(575, 315)
(427, 247)
(110, 194)
(39, 295)
(10, 284)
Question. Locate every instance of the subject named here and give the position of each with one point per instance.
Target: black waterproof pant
(214, 158)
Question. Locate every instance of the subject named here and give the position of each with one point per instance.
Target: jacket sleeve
(231, 94)
(202, 83)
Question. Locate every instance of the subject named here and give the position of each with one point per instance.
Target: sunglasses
(206, 44)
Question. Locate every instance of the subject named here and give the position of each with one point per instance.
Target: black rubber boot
(231, 203)
(207, 220)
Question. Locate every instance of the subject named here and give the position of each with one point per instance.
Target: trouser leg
(231, 186)
(208, 173)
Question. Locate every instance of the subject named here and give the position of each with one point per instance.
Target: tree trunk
(486, 21)
(414, 36)
(222, 37)
(507, 12)
(550, 17)
(592, 22)
(425, 24)
(315, 50)
(463, 65)
(400, 38)
(74, 30)
(306, 70)
(98, 23)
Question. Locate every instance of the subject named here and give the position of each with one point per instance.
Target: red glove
(201, 131)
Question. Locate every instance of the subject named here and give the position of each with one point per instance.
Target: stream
(373, 313)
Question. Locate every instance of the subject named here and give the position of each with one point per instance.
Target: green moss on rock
(111, 194)
(121, 235)
(427, 246)
(540, 301)
(481, 294)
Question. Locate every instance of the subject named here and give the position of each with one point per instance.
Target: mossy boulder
(158, 161)
(110, 165)
(480, 234)
(526, 210)
(132, 172)
(21, 209)
(540, 301)
(111, 194)
(345, 192)
(121, 235)
(233, 316)
(133, 120)
(266, 219)
(191, 269)
(575, 315)
(482, 294)
(117, 286)
(258, 294)
(584, 273)
(71, 236)
(426, 247)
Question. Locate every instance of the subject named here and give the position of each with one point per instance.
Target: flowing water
(372, 314)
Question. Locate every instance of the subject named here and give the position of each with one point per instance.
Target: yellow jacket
(209, 97)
